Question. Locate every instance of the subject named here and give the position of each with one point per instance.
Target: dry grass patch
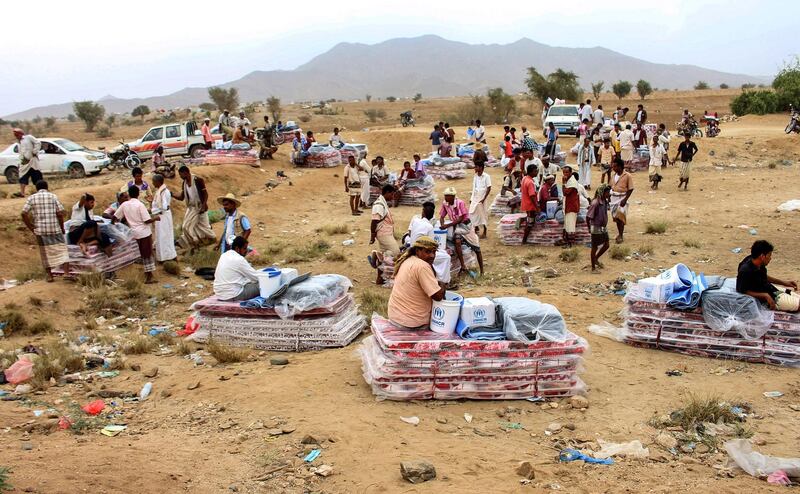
(645, 250)
(184, 347)
(225, 354)
(55, 360)
(92, 281)
(309, 252)
(619, 252)
(15, 321)
(336, 256)
(32, 271)
(569, 255)
(374, 300)
(202, 258)
(656, 227)
(692, 243)
(140, 345)
(333, 229)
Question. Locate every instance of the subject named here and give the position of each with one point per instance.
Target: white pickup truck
(564, 117)
(178, 139)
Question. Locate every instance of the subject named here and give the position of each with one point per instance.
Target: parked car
(564, 117)
(178, 139)
(57, 156)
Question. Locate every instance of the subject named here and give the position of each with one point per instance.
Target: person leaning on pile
(415, 286)
(752, 279)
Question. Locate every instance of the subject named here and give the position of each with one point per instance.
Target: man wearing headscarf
(415, 286)
(29, 148)
(459, 226)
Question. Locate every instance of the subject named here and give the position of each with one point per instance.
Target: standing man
(208, 140)
(641, 117)
(657, 154)
(585, 163)
(43, 214)
(164, 231)
(139, 220)
(598, 115)
(530, 202)
(572, 204)
(686, 152)
(480, 133)
(621, 190)
(364, 172)
(436, 139)
(597, 223)
(663, 139)
(481, 188)
(587, 113)
(450, 134)
(267, 140)
(196, 229)
(29, 148)
(626, 144)
(352, 184)
(225, 123)
(382, 229)
(236, 223)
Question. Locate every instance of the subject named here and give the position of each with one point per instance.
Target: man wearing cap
(236, 223)
(459, 226)
(415, 286)
(164, 229)
(206, 131)
(29, 148)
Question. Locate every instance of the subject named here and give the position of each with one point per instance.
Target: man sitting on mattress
(415, 286)
(753, 280)
(235, 278)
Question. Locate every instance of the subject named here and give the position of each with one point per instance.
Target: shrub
(755, 102)
(225, 354)
(333, 229)
(54, 361)
(656, 227)
(569, 255)
(32, 271)
(140, 345)
(104, 132)
(621, 89)
(391, 99)
(224, 99)
(304, 118)
(619, 252)
(15, 322)
(701, 85)
(692, 243)
(336, 256)
(50, 123)
(274, 108)
(373, 114)
(723, 86)
(645, 250)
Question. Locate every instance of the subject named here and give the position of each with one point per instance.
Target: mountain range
(430, 65)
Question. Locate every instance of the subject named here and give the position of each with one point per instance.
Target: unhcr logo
(438, 313)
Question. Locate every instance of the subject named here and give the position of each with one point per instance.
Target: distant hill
(429, 65)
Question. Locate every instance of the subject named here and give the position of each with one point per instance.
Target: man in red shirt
(572, 204)
(529, 204)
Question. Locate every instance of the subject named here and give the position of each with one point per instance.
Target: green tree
(501, 104)
(50, 123)
(558, 84)
(141, 111)
(417, 98)
(643, 88)
(621, 89)
(758, 102)
(111, 120)
(723, 86)
(391, 99)
(225, 99)
(89, 112)
(274, 108)
(701, 85)
(207, 106)
(597, 88)
(72, 118)
(787, 84)
(368, 98)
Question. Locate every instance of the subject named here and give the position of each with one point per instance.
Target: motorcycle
(690, 128)
(124, 157)
(407, 119)
(794, 122)
(712, 127)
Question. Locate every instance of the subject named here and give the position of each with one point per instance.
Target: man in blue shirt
(236, 223)
(435, 139)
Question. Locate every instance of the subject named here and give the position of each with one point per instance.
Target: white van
(564, 117)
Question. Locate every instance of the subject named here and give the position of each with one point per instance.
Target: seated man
(752, 279)
(415, 286)
(235, 278)
(88, 231)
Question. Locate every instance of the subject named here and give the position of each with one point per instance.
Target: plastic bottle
(145, 392)
(349, 241)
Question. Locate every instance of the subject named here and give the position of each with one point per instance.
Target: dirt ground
(215, 438)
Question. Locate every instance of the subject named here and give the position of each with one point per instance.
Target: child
(606, 155)
(597, 223)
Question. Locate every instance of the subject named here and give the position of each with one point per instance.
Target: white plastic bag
(608, 330)
(632, 449)
(793, 205)
(757, 464)
(731, 311)
(530, 320)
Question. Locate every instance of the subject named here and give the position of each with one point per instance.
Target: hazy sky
(68, 51)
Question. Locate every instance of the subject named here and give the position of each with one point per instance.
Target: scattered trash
(112, 430)
(674, 373)
(510, 425)
(20, 371)
(107, 374)
(349, 241)
(773, 394)
(410, 420)
(736, 250)
(157, 330)
(608, 330)
(535, 399)
(312, 455)
(757, 464)
(94, 407)
(468, 418)
(792, 205)
(145, 392)
(632, 449)
(779, 477)
(64, 423)
(753, 231)
(38, 413)
(573, 455)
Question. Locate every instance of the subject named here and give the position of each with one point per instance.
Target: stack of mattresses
(420, 365)
(320, 319)
(288, 134)
(346, 151)
(500, 206)
(323, 157)
(415, 192)
(511, 229)
(125, 253)
(659, 326)
(445, 168)
(226, 157)
(641, 159)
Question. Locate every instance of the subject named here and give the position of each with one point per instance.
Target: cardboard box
(653, 289)
(478, 312)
